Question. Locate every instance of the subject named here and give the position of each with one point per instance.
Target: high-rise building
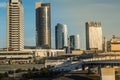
(61, 36)
(75, 42)
(43, 25)
(15, 25)
(93, 36)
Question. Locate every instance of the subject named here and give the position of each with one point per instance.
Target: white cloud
(2, 4)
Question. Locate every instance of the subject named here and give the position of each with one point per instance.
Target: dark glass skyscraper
(43, 25)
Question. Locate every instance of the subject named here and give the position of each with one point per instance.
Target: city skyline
(107, 12)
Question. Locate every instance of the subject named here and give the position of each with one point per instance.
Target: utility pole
(105, 45)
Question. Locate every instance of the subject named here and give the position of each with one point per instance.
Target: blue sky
(73, 13)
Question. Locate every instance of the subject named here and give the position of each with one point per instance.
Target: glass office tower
(74, 42)
(43, 25)
(61, 36)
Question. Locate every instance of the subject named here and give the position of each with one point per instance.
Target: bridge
(72, 62)
(97, 63)
(111, 59)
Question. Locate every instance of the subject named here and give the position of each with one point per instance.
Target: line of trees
(3, 76)
(42, 73)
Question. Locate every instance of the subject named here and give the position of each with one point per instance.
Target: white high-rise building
(61, 36)
(15, 25)
(93, 36)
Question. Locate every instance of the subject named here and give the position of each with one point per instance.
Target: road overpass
(103, 59)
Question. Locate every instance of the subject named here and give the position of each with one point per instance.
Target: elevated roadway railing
(103, 58)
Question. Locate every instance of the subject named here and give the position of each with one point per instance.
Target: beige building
(77, 52)
(40, 53)
(93, 36)
(114, 45)
(16, 57)
(107, 74)
(15, 25)
(27, 55)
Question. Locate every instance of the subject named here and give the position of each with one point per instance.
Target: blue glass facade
(61, 36)
(74, 42)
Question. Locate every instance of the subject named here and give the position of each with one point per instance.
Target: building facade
(74, 42)
(15, 25)
(61, 36)
(27, 56)
(93, 36)
(43, 25)
(113, 45)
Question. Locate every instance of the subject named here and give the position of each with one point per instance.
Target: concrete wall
(107, 74)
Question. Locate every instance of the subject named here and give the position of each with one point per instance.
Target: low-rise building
(27, 55)
(77, 52)
(45, 52)
(16, 57)
(114, 45)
